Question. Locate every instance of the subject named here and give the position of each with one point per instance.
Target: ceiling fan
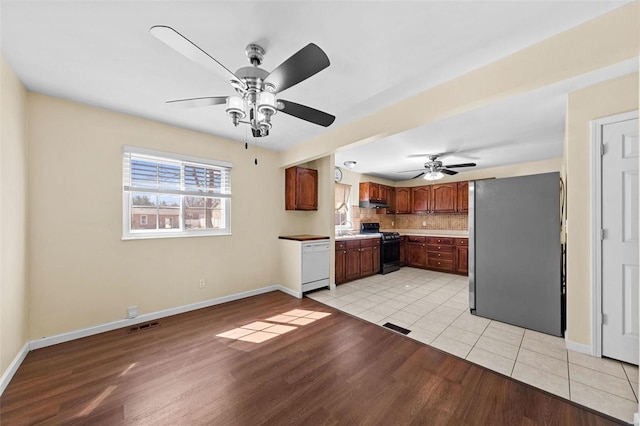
(434, 169)
(257, 89)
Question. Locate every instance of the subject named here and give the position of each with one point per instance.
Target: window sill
(181, 235)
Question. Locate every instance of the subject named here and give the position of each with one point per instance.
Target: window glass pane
(169, 218)
(215, 213)
(144, 211)
(195, 215)
(202, 179)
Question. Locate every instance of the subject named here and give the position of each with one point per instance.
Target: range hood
(373, 205)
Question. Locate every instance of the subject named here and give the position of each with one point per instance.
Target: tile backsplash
(445, 221)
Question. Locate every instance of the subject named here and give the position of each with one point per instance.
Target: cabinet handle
(439, 255)
(438, 240)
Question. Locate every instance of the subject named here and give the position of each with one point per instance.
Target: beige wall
(13, 216)
(601, 100)
(82, 273)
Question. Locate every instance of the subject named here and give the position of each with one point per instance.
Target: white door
(620, 241)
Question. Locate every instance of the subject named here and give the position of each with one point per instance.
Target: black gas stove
(389, 249)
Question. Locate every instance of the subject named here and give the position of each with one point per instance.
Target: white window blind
(166, 194)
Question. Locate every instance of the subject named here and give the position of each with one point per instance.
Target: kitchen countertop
(418, 232)
(356, 237)
(303, 237)
(434, 232)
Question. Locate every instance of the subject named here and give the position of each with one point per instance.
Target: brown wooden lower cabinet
(438, 253)
(462, 256)
(417, 252)
(357, 259)
(361, 258)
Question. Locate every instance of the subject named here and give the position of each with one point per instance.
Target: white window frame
(127, 191)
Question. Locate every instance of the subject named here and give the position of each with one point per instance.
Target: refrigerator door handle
(472, 246)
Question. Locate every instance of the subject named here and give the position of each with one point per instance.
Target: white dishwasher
(315, 265)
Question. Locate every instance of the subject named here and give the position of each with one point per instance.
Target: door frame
(596, 225)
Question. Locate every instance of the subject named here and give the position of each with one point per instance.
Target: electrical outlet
(132, 311)
(424, 223)
(393, 223)
(202, 283)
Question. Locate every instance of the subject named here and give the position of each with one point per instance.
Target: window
(343, 214)
(172, 195)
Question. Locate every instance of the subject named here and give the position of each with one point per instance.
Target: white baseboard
(90, 331)
(289, 291)
(578, 347)
(13, 367)
(114, 325)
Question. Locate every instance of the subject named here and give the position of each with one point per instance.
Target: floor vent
(145, 326)
(396, 328)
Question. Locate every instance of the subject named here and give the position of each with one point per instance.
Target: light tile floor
(434, 306)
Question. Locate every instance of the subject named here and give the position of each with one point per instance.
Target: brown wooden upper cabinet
(421, 199)
(370, 191)
(463, 196)
(301, 189)
(444, 197)
(403, 200)
(391, 200)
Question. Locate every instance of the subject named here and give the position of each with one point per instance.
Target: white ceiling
(101, 53)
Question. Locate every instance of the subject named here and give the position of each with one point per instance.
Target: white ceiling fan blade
(183, 45)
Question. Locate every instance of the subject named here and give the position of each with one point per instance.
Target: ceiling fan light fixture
(433, 175)
(236, 108)
(350, 164)
(267, 103)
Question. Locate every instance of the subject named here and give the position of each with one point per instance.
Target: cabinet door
(417, 255)
(420, 196)
(376, 258)
(444, 197)
(382, 193)
(374, 191)
(307, 189)
(462, 260)
(366, 261)
(403, 200)
(462, 255)
(341, 272)
(403, 251)
(352, 268)
(463, 197)
(391, 200)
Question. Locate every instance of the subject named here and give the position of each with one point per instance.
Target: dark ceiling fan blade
(198, 102)
(449, 172)
(306, 113)
(183, 45)
(461, 165)
(417, 176)
(303, 64)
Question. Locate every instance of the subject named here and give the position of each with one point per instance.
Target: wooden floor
(336, 370)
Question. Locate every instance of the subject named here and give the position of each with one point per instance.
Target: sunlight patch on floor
(261, 331)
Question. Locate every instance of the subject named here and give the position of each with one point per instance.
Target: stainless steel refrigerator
(515, 251)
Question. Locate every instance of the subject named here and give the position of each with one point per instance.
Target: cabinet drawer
(355, 244)
(439, 240)
(462, 242)
(444, 249)
(441, 264)
(414, 239)
(340, 245)
(440, 255)
(370, 242)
